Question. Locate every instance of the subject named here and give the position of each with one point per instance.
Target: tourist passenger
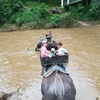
(39, 44)
(61, 51)
(52, 52)
(44, 51)
(41, 38)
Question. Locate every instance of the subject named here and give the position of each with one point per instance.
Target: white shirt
(62, 51)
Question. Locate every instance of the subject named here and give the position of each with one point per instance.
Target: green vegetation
(63, 20)
(95, 9)
(91, 12)
(8, 8)
(35, 14)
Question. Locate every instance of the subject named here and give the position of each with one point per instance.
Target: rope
(61, 83)
(55, 81)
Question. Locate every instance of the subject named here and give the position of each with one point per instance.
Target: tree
(7, 8)
(95, 9)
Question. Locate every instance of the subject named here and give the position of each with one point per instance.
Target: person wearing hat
(61, 51)
(52, 52)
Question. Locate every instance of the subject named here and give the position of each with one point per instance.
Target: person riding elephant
(39, 44)
(44, 53)
(41, 38)
(60, 52)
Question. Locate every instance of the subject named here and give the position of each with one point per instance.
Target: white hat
(44, 42)
(53, 49)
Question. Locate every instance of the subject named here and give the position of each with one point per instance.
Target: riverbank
(89, 23)
(13, 27)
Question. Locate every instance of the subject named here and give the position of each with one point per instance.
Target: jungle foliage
(40, 15)
(90, 12)
(8, 8)
(95, 9)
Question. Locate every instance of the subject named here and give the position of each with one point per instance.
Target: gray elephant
(58, 86)
(50, 45)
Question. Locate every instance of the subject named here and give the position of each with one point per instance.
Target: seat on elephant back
(54, 64)
(56, 60)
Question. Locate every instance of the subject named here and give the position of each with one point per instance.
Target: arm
(45, 52)
(61, 52)
(58, 54)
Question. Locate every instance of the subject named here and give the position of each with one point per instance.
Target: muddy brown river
(20, 67)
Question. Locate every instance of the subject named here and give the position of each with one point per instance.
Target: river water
(20, 67)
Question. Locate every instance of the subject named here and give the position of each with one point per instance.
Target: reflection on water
(21, 67)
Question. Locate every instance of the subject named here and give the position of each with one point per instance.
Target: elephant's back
(59, 86)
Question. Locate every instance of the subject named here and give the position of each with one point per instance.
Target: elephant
(50, 45)
(58, 86)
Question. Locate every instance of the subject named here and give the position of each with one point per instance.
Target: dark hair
(59, 43)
